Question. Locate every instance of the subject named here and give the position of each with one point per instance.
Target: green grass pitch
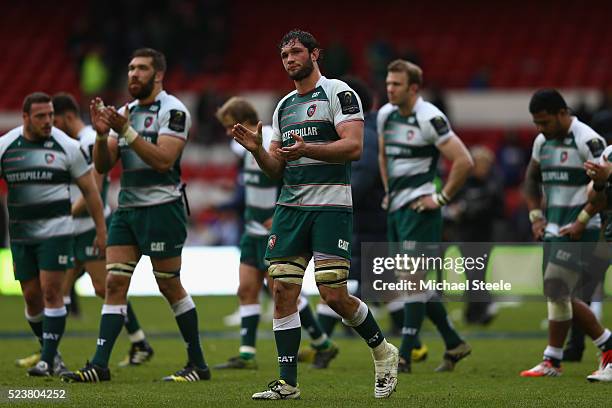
(489, 377)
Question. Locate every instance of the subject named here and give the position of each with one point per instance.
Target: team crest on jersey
(148, 121)
(410, 135)
(564, 156)
(271, 241)
(49, 158)
(311, 110)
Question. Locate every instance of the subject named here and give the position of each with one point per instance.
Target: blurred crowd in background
(208, 41)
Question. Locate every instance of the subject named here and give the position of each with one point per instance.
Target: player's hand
(385, 202)
(574, 230)
(118, 122)
(252, 141)
(99, 117)
(597, 172)
(296, 150)
(99, 243)
(537, 229)
(424, 203)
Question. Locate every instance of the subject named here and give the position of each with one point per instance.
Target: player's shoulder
(286, 99)
(332, 86)
(383, 114)
(66, 142)
(583, 132)
(87, 136)
(10, 136)
(426, 111)
(169, 102)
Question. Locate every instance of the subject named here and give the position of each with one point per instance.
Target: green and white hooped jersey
(308, 184)
(261, 192)
(84, 222)
(141, 185)
(38, 175)
(564, 179)
(410, 145)
(607, 153)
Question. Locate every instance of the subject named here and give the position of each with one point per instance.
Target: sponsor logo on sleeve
(178, 120)
(440, 125)
(596, 147)
(348, 102)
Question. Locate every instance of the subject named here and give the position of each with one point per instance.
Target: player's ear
(159, 76)
(314, 55)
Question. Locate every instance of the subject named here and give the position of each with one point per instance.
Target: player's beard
(303, 72)
(145, 89)
(39, 133)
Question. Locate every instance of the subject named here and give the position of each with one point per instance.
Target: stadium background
(481, 60)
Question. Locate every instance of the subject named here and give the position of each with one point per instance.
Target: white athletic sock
(380, 352)
(601, 340)
(553, 352)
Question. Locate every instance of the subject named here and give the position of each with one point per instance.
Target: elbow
(355, 152)
(162, 167)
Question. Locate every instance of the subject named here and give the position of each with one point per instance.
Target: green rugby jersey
(608, 213)
(410, 144)
(84, 222)
(564, 179)
(38, 174)
(260, 191)
(309, 184)
(141, 185)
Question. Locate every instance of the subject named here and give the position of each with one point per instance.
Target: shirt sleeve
(175, 121)
(77, 161)
(345, 104)
(537, 146)
(606, 156)
(592, 147)
(276, 133)
(437, 128)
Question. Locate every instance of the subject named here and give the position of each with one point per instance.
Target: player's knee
(288, 270)
(556, 289)
(116, 285)
(332, 273)
(247, 293)
(560, 310)
(52, 295)
(335, 299)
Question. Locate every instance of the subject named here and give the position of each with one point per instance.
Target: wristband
(129, 135)
(583, 217)
(535, 215)
(440, 198)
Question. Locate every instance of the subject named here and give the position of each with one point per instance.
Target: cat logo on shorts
(271, 241)
(311, 110)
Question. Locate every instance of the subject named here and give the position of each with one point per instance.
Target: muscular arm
(269, 161)
(80, 205)
(533, 186)
(455, 151)
(105, 154)
(160, 156)
(348, 148)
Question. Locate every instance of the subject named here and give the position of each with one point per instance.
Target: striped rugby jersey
(141, 185)
(410, 145)
(564, 179)
(84, 222)
(261, 192)
(38, 174)
(309, 184)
